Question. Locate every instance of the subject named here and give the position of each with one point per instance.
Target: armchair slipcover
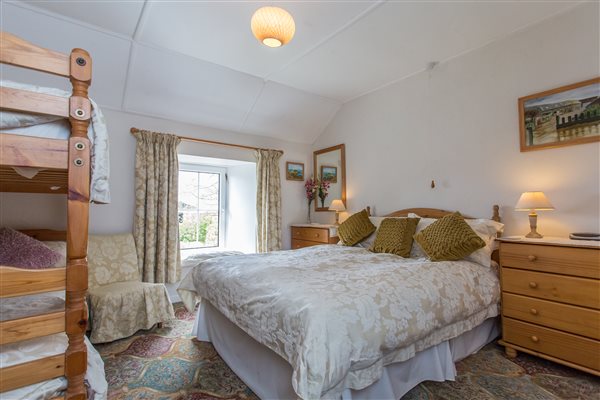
(120, 304)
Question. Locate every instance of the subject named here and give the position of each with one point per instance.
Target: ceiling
(198, 62)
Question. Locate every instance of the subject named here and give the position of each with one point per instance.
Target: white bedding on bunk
(52, 127)
(34, 349)
(339, 314)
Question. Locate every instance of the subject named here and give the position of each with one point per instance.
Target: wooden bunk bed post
(58, 156)
(77, 223)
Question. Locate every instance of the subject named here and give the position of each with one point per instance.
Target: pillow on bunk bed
(22, 251)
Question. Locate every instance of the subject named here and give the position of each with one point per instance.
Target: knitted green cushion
(395, 236)
(356, 228)
(448, 239)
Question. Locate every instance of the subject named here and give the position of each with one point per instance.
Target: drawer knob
(316, 235)
(535, 339)
(533, 285)
(534, 311)
(532, 258)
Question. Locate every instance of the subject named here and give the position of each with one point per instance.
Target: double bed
(342, 322)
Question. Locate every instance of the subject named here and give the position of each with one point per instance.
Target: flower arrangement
(323, 188)
(311, 187)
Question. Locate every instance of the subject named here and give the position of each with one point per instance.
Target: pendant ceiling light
(273, 26)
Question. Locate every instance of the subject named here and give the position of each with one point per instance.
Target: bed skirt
(270, 376)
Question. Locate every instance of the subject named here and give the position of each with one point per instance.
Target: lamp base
(337, 219)
(534, 235)
(533, 226)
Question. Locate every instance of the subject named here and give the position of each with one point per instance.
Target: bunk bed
(60, 166)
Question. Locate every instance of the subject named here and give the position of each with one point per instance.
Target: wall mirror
(330, 165)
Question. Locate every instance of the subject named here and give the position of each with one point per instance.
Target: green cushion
(395, 236)
(356, 228)
(448, 239)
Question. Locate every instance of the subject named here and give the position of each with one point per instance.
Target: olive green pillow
(448, 239)
(356, 228)
(395, 236)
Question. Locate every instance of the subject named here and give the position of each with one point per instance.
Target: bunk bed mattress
(34, 349)
(51, 127)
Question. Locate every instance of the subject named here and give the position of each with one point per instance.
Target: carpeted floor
(168, 363)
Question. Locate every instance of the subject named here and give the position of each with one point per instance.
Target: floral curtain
(156, 227)
(268, 200)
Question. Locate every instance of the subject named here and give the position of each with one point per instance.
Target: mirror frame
(342, 149)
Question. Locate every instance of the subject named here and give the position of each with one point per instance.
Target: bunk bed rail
(29, 151)
(21, 282)
(32, 102)
(21, 53)
(68, 161)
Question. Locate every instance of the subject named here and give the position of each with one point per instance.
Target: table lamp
(338, 206)
(532, 201)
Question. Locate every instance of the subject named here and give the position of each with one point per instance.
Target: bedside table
(551, 300)
(305, 235)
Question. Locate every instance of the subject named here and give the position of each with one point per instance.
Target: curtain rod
(191, 139)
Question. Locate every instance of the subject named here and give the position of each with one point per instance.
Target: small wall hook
(432, 184)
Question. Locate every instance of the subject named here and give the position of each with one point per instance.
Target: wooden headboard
(435, 213)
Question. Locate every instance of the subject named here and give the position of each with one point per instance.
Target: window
(201, 200)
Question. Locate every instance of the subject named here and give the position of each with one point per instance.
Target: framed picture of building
(560, 117)
(294, 171)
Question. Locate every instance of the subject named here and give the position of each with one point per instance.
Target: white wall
(458, 125)
(241, 208)
(48, 211)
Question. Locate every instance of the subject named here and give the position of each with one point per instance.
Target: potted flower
(310, 187)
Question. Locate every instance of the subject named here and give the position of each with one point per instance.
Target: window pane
(198, 209)
(188, 191)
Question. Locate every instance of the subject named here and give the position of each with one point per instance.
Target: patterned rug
(168, 363)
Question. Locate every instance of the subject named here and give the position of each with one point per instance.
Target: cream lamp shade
(532, 201)
(338, 206)
(273, 26)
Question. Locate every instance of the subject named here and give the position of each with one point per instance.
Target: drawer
(320, 235)
(298, 244)
(559, 260)
(568, 347)
(573, 319)
(565, 289)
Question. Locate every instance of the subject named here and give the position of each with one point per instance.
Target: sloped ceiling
(198, 62)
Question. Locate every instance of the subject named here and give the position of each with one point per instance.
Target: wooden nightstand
(305, 235)
(551, 300)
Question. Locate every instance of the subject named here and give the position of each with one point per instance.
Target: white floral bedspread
(339, 314)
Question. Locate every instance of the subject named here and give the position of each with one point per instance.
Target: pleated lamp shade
(273, 26)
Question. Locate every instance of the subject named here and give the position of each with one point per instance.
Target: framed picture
(560, 117)
(294, 171)
(329, 173)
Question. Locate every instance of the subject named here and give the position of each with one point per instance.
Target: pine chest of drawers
(551, 300)
(305, 235)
